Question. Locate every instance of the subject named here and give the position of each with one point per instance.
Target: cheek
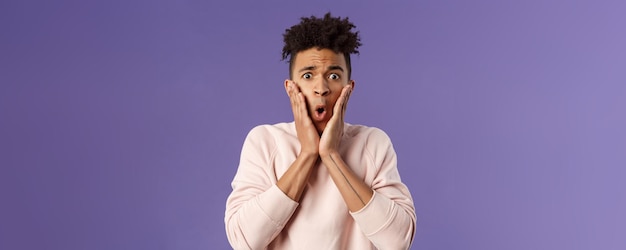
(336, 89)
(333, 100)
(305, 89)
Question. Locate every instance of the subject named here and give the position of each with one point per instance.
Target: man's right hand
(306, 131)
(295, 179)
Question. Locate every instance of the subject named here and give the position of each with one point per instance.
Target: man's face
(320, 74)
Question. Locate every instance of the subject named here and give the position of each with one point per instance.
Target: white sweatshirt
(260, 216)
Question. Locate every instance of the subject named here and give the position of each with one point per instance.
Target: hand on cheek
(329, 142)
(305, 129)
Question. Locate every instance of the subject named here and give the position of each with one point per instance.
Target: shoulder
(374, 140)
(264, 139)
(370, 135)
(270, 133)
(272, 130)
(371, 143)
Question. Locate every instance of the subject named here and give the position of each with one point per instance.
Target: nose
(321, 88)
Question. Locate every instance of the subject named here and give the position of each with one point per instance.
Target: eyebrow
(306, 68)
(335, 67)
(332, 67)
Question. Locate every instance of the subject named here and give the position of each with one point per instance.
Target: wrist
(308, 155)
(328, 153)
(331, 158)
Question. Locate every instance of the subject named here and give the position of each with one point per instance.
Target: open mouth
(320, 113)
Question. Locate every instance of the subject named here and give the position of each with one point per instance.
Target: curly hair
(328, 32)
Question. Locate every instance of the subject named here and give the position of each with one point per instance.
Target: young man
(318, 182)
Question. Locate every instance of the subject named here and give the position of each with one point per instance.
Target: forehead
(319, 57)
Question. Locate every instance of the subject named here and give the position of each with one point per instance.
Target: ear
(287, 83)
(351, 83)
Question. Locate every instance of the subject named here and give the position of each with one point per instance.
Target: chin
(320, 127)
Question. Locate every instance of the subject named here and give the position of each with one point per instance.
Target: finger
(295, 95)
(292, 98)
(302, 106)
(295, 87)
(295, 101)
(346, 99)
(299, 96)
(340, 102)
(345, 96)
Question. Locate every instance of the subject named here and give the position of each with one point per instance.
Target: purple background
(122, 121)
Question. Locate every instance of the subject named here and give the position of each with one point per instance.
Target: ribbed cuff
(277, 205)
(375, 215)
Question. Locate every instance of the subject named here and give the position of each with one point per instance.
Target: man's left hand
(329, 141)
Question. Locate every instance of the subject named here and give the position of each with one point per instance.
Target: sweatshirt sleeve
(256, 210)
(388, 220)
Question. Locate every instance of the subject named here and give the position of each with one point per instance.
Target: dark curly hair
(328, 32)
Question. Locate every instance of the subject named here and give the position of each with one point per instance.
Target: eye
(307, 76)
(334, 76)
